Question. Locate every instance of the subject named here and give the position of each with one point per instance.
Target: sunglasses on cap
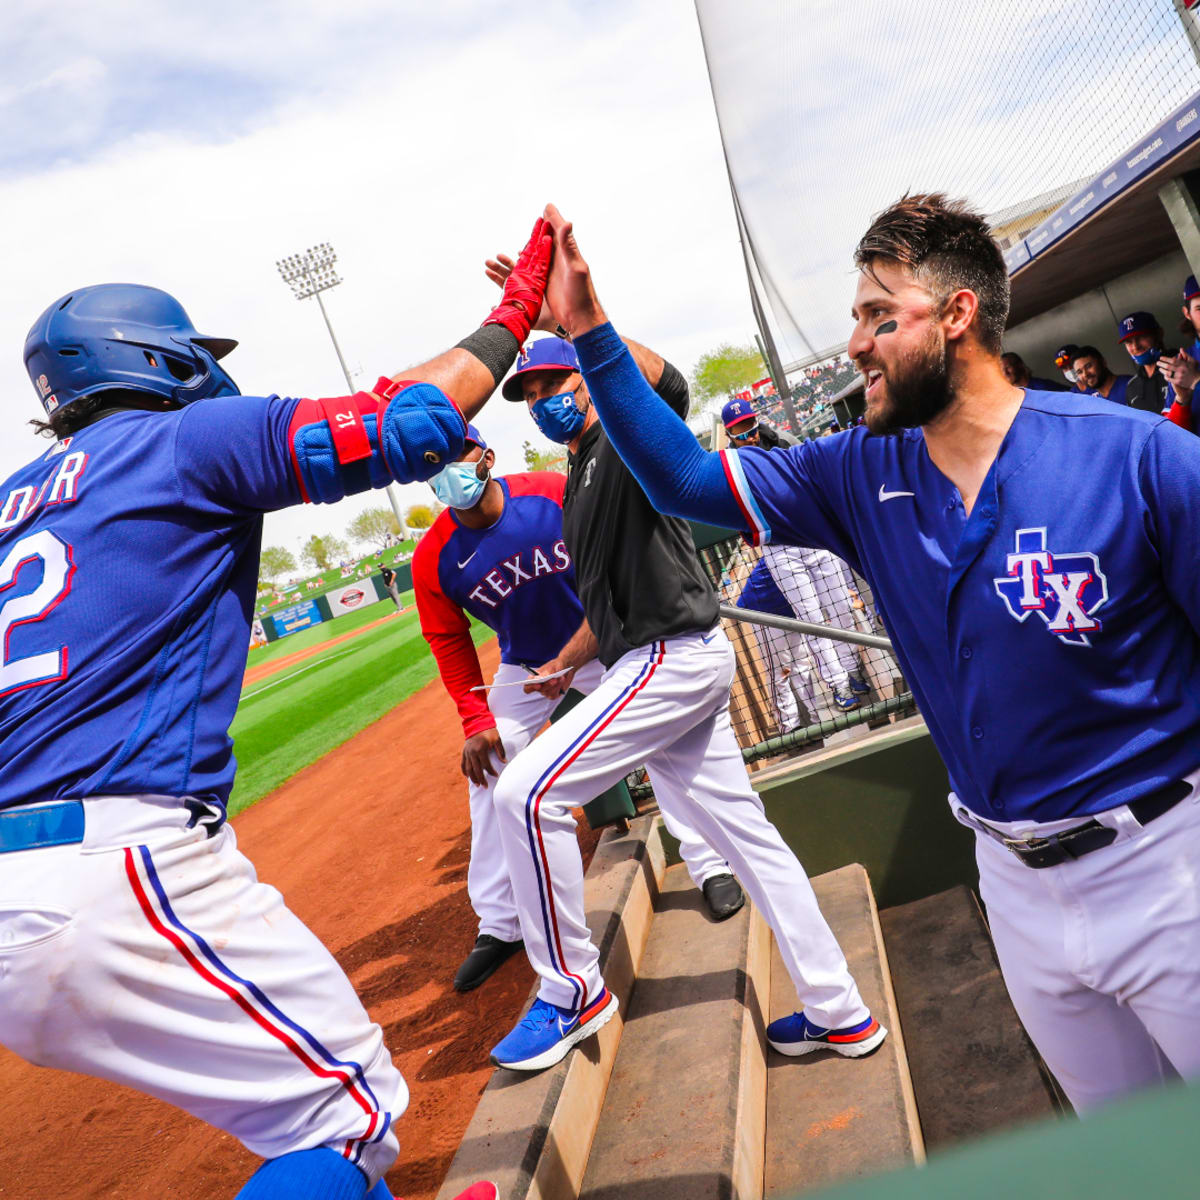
(741, 437)
(1064, 360)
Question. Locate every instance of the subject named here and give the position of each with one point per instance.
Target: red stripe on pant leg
(537, 805)
(233, 994)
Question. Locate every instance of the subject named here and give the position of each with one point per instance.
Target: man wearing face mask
(497, 554)
(664, 702)
(1064, 360)
(1164, 379)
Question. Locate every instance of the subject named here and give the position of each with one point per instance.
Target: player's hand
(477, 753)
(1182, 372)
(552, 688)
(498, 269)
(524, 286)
(569, 290)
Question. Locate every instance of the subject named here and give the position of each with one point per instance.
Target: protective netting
(831, 109)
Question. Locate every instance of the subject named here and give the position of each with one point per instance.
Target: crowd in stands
(1160, 378)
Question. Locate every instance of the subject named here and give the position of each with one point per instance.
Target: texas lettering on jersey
(1065, 590)
(500, 583)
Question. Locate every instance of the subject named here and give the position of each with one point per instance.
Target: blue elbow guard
(350, 444)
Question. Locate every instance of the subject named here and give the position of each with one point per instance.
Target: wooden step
(974, 1068)
(531, 1134)
(683, 1118)
(831, 1118)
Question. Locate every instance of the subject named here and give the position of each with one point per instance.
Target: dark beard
(916, 393)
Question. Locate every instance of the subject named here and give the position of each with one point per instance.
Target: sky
(832, 109)
(191, 146)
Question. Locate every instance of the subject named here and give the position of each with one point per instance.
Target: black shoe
(723, 895)
(481, 963)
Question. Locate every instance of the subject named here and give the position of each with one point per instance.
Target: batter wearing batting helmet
(1035, 557)
(136, 943)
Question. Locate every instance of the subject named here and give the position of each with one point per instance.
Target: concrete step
(531, 1134)
(683, 1118)
(831, 1118)
(973, 1067)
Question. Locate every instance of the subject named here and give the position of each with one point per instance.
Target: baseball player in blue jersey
(136, 943)
(497, 553)
(1036, 560)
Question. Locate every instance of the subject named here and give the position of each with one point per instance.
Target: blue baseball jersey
(1051, 636)
(761, 593)
(128, 567)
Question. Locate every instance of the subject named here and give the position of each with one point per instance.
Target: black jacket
(636, 571)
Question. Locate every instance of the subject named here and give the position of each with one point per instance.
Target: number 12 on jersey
(58, 569)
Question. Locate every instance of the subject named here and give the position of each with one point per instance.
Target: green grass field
(292, 718)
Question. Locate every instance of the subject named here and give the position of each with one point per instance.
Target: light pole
(310, 273)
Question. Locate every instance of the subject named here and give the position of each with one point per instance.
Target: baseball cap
(1191, 289)
(546, 354)
(1065, 355)
(1138, 322)
(735, 411)
(474, 437)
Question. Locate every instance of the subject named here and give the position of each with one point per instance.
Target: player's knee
(422, 431)
(512, 790)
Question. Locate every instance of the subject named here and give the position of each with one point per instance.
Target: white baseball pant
(1101, 955)
(785, 655)
(151, 955)
(519, 716)
(667, 705)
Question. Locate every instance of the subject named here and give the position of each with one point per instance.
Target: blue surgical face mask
(458, 486)
(1148, 356)
(558, 417)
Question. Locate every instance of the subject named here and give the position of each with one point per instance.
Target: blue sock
(320, 1174)
(380, 1192)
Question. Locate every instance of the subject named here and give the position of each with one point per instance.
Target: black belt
(1073, 843)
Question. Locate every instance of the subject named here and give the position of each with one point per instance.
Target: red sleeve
(552, 484)
(1181, 415)
(448, 633)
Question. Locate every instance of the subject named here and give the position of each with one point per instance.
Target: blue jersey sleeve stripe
(756, 523)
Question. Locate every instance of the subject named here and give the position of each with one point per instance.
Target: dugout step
(683, 1117)
(831, 1118)
(531, 1134)
(974, 1068)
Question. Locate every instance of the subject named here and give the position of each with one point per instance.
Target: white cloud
(422, 166)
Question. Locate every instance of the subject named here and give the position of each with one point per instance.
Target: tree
(275, 561)
(373, 525)
(544, 460)
(726, 369)
(420, 516)
(320, 552)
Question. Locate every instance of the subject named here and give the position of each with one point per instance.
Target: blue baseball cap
(1138, 322)
(546, 354)
(1190, 289)
(473, 436)
(737, 410)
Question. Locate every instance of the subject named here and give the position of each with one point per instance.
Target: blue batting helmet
(546, 354)
(123, 336)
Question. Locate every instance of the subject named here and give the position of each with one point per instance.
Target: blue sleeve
(1169, 474)
(789, 495)
(679, 477)
(233, 453)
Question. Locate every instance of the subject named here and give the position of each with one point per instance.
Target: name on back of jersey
(61, 486)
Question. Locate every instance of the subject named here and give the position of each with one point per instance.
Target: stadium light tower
(310, 273)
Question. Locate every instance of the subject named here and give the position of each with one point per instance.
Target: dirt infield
(267, 669)
(369, 846)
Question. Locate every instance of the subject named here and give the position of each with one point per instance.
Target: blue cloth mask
(1147, 356)
(558, 417)
(458, 486)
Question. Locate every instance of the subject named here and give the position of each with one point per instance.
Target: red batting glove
(525, 286)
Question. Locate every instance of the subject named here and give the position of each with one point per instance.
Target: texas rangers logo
(1065, 590)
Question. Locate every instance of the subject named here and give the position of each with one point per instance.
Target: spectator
(1064, 360)
(745, 429)
(1094, 374)
(1017, 373)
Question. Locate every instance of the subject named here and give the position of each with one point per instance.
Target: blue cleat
(859, 686)
(795, 1035)
(545, 1034)
(844, 702)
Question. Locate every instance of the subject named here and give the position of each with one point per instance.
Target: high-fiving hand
(524, 285)
(569, 290)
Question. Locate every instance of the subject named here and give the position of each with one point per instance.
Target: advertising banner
(296, 617)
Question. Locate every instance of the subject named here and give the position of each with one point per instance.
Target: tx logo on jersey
(1065, 590)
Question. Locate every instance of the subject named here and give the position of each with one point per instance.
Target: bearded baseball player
(663, 701)
(497, 553)
(1034, 558)
(136, 943)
